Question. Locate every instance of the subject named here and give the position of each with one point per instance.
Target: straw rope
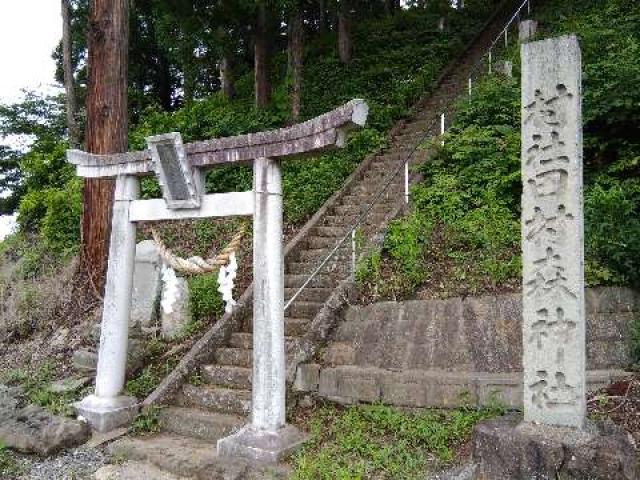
(197, 265)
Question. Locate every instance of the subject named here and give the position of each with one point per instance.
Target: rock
(146, 286)
(67, 385)
(134, 471)
(174, 319)
(85, 360)
(34, 430)
(505, 449)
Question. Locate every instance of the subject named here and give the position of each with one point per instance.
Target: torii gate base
(267, 438)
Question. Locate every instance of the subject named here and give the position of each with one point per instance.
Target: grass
(146, 422)
(382, 442)
(9, 466)
(36, 385)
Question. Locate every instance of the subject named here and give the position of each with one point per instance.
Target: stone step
(334, 269)
(215, 399)
(188, 458)
(238, 357)
(349, 220)
(191, 422)
(303, 309)
(228, 376)
(316, 255)
(309, 294)
(293, 328)
(321, 242)
(319, 281)
(241, 340)
(296, 327)
(328, 231)
(355, 209)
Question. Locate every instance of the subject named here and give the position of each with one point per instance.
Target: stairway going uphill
(218, 402)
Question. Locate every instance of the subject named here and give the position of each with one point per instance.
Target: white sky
(29, 32)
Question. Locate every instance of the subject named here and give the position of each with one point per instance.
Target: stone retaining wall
(443, 352)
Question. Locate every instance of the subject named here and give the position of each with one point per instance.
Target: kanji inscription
(552, 233)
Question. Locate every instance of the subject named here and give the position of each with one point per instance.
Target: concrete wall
(446, 352)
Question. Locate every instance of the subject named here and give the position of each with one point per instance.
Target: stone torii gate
(180, 170)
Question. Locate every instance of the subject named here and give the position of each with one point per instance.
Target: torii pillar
(180, 169)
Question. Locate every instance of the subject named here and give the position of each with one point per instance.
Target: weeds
(146, 422)
(382, 442)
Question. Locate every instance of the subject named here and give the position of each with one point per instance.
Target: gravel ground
(78, 464)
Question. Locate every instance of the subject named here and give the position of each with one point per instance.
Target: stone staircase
(219, 401)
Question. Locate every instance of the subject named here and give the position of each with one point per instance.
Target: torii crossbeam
(180, 169)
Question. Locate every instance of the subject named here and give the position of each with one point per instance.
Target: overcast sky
(29, 31)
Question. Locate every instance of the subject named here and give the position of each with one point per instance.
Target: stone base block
(106, 414)
(508, 449)
(260, 446)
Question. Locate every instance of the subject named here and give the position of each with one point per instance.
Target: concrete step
(238, 357)
(228, 376)
(334, 269)
(328, 231)
(318, 254)
(355, 209)
(303, 309)
(321, 242)
(293, 327)
(319, 281)
(241, 340)
(309, 294)
(188, 459)
(215, 399)
(296, 327)
(191, 422)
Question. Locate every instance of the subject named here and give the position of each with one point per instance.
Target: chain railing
(404, 165)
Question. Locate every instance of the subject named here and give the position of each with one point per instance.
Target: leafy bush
(469, 201)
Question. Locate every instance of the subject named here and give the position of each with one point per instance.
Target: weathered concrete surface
(174, 321)
(527, 29)
(191, 458)
(477, 334)
(262, 447)
(146, 286)
(505, 449)
(135, 471)
(554, 352)
(31, 429)
(350, 384)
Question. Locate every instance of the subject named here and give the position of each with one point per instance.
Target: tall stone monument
(552, 233)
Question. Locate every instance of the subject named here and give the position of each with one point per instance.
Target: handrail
(358, 222)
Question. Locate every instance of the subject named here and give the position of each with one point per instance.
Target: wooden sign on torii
(180, 170)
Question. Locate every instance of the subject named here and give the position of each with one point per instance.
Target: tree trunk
(296, 50)
(106, 130)
(322, 18)
(344, 31)
(69, 87)
(262, 58)
(226, 77)
(391, 6)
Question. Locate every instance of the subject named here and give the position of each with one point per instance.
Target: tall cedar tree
(69, 87)
(344, 31)
(106, 130)
(296, 39)
(262, 56)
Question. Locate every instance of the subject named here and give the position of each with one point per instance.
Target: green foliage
(469, 201)
(377, 441)
(145, 382)
(9, 466)
(204, 300)
(633, 343)
(147, 422)
(36, 385)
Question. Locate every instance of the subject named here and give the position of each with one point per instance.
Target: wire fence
(484, 64)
